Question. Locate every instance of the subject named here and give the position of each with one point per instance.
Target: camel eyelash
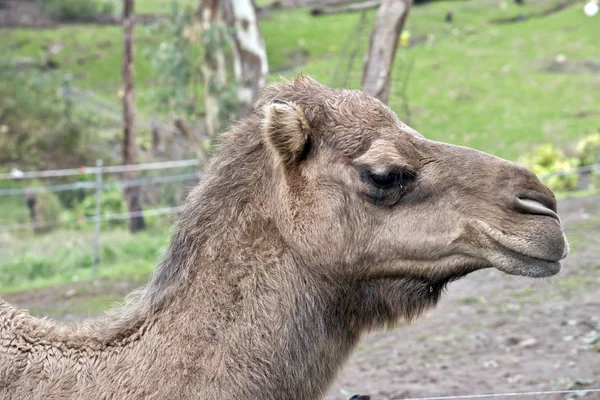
(389, 180)
(387, 188)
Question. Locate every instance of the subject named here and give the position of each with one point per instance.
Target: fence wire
(16, 174)
(87, 219)
(105, 185)
(579, 392)
(581, 170)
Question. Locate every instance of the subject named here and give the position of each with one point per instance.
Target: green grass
(471, 300)
(487, 91)
(66, 256)
(92, 54)
(473, 83)
(154, 6)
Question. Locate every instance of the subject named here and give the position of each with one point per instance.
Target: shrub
(112, 202)
(546, 159)
(47, 210)
(44, 134)
(588, 153)
(588, 150)
(78, 10)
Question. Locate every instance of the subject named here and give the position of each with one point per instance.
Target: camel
(322, 217)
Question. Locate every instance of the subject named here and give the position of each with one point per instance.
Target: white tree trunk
(251, 67)
(382, 47)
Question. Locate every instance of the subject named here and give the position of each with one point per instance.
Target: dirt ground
(494, 333)
(491, 333)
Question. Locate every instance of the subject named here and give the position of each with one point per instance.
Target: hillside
(499, 87)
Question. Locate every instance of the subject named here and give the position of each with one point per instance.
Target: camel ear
(286, 129)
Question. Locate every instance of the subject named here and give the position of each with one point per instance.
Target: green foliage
(24, 267)
(37, 118)
(13, 209)
(588, 153)
(217, 43)
(111, 202)
(547, 159)
(588, 150)
(47, 210)
(177, 61)
(70, 199)
(78, 10)
(227, 100)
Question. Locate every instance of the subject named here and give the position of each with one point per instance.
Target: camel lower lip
(524, 265)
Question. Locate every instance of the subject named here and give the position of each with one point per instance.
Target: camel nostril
(535, 206)
(546, 200)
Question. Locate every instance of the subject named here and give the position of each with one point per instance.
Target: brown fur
(286, 253)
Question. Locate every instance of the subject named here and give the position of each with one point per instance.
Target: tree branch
(367, 5)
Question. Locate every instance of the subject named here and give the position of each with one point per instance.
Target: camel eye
(398, 179)
(384, 180)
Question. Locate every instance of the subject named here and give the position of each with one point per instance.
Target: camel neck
(265, 331)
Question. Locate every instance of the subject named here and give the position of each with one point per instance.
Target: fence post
(97, 219)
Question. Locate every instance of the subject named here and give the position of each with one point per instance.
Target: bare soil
(491, 333)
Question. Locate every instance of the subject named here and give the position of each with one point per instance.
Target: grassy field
(495, 87)
(63, 256)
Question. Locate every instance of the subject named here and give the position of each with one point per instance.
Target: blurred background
(109, 110)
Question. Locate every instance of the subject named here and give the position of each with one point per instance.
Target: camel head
(368, 198)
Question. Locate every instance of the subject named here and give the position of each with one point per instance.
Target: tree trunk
(213, 67)
(382, 47)
(251, 67)
(132, 194)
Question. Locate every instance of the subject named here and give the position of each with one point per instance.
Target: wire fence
(99, 185)
(83, 170)
(101, 218)
(578, 392)
(92, 185)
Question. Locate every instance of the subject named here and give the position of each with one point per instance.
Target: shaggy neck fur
(230, 313)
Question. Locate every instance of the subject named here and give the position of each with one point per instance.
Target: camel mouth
(517, 261)
(531, 254)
